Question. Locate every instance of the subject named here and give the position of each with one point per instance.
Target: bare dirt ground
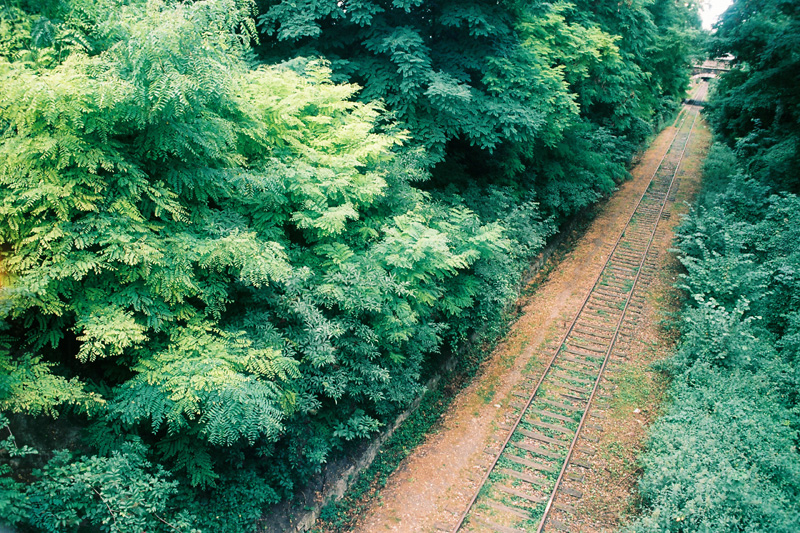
(433, 485)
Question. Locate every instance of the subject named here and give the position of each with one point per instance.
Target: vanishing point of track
(531, 484)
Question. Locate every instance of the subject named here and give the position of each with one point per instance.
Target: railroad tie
(519, 494)
(542, 438)
(497, 527)
(570, 491)
(550, 414)
(604, 327)
(561, 526)
(519, 513)
(530, 464)
(538, 450)
(561, 405)
(523, 477)
(553, 427)
(581, 463)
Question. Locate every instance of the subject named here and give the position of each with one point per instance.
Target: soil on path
(433, 485)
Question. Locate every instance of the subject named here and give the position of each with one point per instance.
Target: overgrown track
(534, 481)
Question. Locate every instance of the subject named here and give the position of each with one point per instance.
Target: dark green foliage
(724, 460)
(500, 92)
(656, 40)
(112, 249)
(13, 504)
(121, 493)
(756, 105)
(149, 187)
(223, 272)
(424, 59)
(725, 456)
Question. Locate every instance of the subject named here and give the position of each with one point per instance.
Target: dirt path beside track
(434, 484)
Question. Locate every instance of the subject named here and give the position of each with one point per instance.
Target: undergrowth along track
(533, 482)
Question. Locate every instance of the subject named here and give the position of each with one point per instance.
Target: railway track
(534, 481)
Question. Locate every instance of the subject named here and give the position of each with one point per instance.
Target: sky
(711, 10)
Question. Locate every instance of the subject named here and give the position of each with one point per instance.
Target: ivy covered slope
(725, 457)
(535, 97)
(216, 273)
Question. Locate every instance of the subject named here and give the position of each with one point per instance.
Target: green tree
(755, 107)
(214, 256)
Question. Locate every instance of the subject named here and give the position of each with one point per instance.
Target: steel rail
(681, 118)
(613, 342)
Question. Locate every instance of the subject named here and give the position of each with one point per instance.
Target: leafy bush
(725, 458)
(120, 493)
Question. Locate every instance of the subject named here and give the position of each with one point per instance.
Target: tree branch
(164, 521)
(105, 503)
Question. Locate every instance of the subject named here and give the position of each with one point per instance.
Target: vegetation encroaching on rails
(725, 457)
(342, 515)
(237, 233)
